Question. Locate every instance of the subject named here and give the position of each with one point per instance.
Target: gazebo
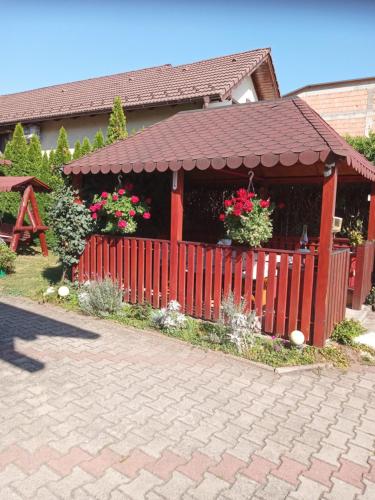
(282, 142)
(27, 186)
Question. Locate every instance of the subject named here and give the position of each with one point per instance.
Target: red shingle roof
(268, 133)
(19, 183)
(145, 87)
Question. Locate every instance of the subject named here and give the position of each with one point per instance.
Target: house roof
(327, 85)
(19, 183)
(146, 87)
(284, 132)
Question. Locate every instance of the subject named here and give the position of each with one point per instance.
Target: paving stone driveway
(89, 410)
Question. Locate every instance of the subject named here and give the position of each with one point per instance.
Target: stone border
(281, 370)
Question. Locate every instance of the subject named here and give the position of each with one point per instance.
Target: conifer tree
(98, 140)
(51, 159)
(77, 150)
(17, 151)
(86, 146)
(35, 156)
(117, 123)
(62, 153)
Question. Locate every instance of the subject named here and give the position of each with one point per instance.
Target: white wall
(245, 91)
(80, 127)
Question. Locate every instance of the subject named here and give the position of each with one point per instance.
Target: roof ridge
(267, 49)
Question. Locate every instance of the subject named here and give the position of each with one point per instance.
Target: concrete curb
(282, 370)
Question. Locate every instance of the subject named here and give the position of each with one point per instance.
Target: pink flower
(237, 212)
(102, 203)
(242, 194)
(121, 192)
(93, 208)
(121, 224)
(222, 217)
(115, 197)
(264, 203)
(147, 215)
(227, 203)
(104, 195)
(252, 195)
(248, 206)
(132, 213)
(134, 199)
(118, 213)
(94, 216)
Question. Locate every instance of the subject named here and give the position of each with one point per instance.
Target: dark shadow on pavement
(18, 323)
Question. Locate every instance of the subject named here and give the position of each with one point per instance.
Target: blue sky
(44, 43)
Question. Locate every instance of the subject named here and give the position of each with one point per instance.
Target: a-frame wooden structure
(29, 206)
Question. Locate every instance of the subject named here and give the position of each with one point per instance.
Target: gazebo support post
(77, 183)
(371, 215)
(324, 257)
(177, 218)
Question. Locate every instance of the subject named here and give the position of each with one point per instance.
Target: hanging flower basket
(247, 218)
(118, 212)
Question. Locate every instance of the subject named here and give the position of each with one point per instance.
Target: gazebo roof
(284, 132)
(20, 183)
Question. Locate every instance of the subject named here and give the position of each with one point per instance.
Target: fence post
(177, 218)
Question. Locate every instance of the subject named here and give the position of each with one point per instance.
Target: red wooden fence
(337, 288)
(361, 282)
(277, 284)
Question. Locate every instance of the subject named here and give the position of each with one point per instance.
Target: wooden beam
(177, 205)
(324, 256)
(371, 215)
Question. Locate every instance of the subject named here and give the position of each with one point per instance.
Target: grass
(34, 273)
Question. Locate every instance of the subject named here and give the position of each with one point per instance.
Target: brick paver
(92, 410)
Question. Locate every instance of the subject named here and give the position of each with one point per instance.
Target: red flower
(132, 213)
(252, 195)
(237, 212)
(264, 203)
(239, 205)
(242, 194)
(281, 205)
(115, 197)
(147, 215)
(93, 208)
(118, 213)
(104, 195)
(121, 192)
(129, 186)
(248, 206)
(102, 203)
(222, 217)
(121, 224)
(134, 199)
(94, 216)
(227, 203)
(148, 200)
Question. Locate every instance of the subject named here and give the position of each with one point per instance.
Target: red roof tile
(286, 131)
(145, 87)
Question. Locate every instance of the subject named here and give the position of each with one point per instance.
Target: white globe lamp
(297, 338)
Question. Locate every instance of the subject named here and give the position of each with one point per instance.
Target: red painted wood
(325, 250)
(99, 258)
(148, 271)
(307, 295)
(248, 291)
(177, 207)
(199, 282)
(173, 274)
(218, 277)
(112, 257)
(156, 279)
(164, 274)
(237, 290)
(86, 262)
(141, 272)
(133, 271)
(228, 277)
(294, 293)
(371, 216)
(119, 263)
(208, 283)
(270, 294)
(93, 267)
(182, 275)
(105, 257)
(126, 253)
(282, 295)
(259, 285)
(190, 279)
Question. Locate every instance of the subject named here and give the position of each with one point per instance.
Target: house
(347, 105)
(149, 95)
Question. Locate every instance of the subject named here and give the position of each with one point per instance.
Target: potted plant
(7, 260)
(247, 218)
(117, 212)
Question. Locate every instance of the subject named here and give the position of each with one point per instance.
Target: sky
(50, 42)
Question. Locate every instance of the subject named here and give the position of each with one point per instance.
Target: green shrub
(7, 258)
(370, 300)
(346, 331)
(100, 298)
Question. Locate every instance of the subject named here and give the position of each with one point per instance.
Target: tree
(62, 153)
(51, 158)
(77, 150)
(45, 164)
(98, 140)
(365, 145)
(16, 150)
(86, 146)
(117, 123)
(35, 156)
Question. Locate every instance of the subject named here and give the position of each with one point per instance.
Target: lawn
(33, 274)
